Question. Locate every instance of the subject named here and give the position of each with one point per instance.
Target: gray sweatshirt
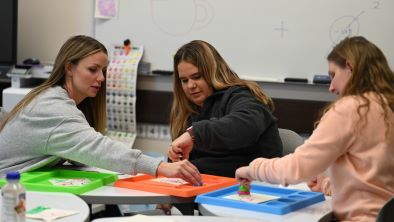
(52, 128)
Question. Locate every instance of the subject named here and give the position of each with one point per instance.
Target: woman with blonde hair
(354, 139)
(65, 118)
(218, 121)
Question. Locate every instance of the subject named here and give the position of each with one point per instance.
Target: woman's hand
(243, 173)
(180, 148)
(182, 169)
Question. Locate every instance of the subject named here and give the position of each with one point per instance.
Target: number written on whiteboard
(376, 4)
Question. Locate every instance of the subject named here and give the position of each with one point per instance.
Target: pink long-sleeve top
(359, 157)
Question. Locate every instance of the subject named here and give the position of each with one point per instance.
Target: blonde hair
(215, 72)
(72, 51)
(370, 74)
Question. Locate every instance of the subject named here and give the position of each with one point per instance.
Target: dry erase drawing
(282, 29)
(106, 9)
(376, 4)
(344, 26)
(195, 14)
(173, 181)
(69, 182)
(252, 198)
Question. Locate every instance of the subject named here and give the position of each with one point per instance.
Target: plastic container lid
(13, 176)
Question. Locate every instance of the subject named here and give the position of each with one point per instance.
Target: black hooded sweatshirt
(232, 129)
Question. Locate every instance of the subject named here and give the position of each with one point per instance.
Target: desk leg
(110, 211)
(90, 211)
(186, 208)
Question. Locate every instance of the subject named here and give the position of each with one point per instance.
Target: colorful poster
(121, 93)
(106, 9)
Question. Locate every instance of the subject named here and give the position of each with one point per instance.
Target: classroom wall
(260, 39)
(44, 25)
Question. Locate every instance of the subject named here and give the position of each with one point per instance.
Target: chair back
(386, 214)
(329, 217)
(290, 140)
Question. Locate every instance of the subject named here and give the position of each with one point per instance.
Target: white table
(311, 213)
(110, 194)
(64, 201)
(187, 219)
(115, 195)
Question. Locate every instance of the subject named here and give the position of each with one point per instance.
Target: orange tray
(146, 183)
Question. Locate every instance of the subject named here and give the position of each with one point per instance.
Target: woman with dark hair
(218, 121)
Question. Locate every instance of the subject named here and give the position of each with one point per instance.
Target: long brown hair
(370, 74)
(215, 72)
(72, 51)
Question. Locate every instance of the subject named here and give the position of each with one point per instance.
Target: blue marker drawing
(344, 26)
(376, 4)
(282, 29)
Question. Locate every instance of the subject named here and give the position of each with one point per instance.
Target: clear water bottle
(13, 196)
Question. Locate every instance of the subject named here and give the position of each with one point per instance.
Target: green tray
(39, 180)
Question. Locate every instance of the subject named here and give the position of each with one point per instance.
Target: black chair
(329, 217)
(386, 214)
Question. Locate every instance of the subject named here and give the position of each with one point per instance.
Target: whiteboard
(260, 39)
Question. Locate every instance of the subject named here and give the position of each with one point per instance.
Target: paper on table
(173, 181)
(47, 214)
(143, 218)
(69, 182)
(253, 198)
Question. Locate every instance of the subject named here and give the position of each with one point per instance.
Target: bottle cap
(13, 176)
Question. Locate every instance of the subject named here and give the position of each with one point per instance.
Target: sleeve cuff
(326, 188)
(146, 164)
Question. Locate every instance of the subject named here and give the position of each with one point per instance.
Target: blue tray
(289, 199)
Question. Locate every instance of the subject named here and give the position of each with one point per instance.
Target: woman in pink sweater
(354, 139)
